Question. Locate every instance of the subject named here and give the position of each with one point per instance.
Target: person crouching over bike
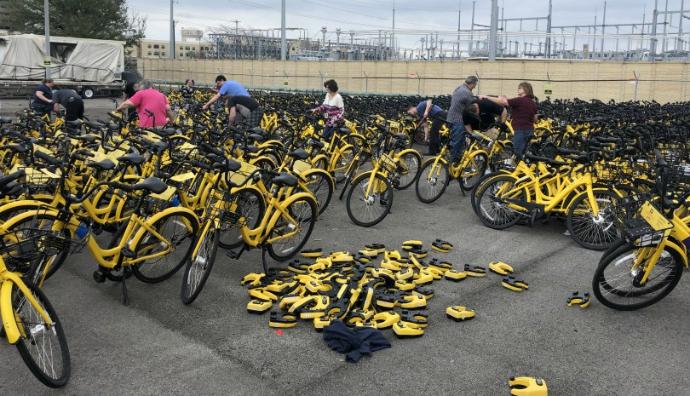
(426, 109)
(332, 108)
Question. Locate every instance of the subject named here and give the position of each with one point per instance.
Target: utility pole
(393, 31)
(681, 46)
(603, 27)
(46, 26)
(459, 7)
(655, 15)
(237, 37)
(323, 32)
(493, 30)
(663, 42)
(283, 38)
(172, 32)
(474, 3)
(548, 31)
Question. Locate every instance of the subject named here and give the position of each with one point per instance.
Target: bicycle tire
(141, 270)
(25, 346)
(320, 182)
(411, 171)
(468, 183)
(343, 159)
(193, 282)
(385, 201)
(277, 253)
(437, 183)
(603, 235)
(230, 236)
(615, 256)
(511, 217)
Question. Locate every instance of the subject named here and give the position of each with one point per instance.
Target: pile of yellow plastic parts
(374, 287)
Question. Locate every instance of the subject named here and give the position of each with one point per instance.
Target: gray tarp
(91, 60)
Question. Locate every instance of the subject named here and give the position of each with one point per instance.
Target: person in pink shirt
(152, 106)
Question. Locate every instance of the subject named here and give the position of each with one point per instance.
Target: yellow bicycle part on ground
(582, 300)
(402, 330)
(279, 320)
(455, 276)
(527, 386)
(475, 270)
(514, 284)
(460, 313)
(500, 268)
(258, 306)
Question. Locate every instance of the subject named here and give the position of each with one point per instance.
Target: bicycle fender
(140, 232)
(31, 213)
(8, 320)
(22, 203)
(572, 198)
(403, 152)
(477, 152)
(679, 248)
(304, 175)
(292, 198)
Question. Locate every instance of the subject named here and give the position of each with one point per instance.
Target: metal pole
(548, 32)
(680, 45)
(172, 32)
(459, 6)
(594, 37)
(493, 30)
(46, 26)
(603, 27)
(283, 38)
(655, 16)
(663, 42)
(393, 32)
(474, 3)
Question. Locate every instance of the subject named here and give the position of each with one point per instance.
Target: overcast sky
(377, 14)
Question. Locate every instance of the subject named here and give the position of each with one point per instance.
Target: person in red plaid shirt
(333, 108)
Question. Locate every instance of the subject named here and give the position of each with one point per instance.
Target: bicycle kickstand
(263, 259)
(125, 294)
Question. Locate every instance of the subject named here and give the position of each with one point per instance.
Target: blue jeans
(457, 141)
(328, 132)
(521, 140)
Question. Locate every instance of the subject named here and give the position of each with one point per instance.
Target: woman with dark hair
(188, 88)
(523, 111)
(333, 108)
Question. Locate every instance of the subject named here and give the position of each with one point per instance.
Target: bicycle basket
(22, 249)
(388, 163)
(638, 221)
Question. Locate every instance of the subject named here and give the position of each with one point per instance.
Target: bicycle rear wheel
(199, 268)
(179, 231)
(368, 209)
(471, 174)
(321, 184)
(617, 285)
(304, 212)
(42, 346)
(493, 211)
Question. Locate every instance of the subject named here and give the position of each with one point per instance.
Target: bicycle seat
(256, 137)
(251, 149)
(89, 138)
(299, 154)
(94, 124)
(74, 123)
(132, 158)
(106, 164)
(285, 179)
(7, 179)
(316, 143)
(258, 131)
(151, 185)
(17, 148)
(344, 130)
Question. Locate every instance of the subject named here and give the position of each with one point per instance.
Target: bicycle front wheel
(290, 234)
(492, 208)
(618, 285)
(250, 210)
(596, 233)
(321, 184)
(178, 231)
(408, 168)
(432, 181)
(199, 268)
(471, 174)
(42, 346)
(367, 205)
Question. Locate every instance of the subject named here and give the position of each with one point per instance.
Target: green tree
(98, 19)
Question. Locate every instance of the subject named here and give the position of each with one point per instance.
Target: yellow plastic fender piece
(287, 301)
(423, 277)
(460, 313)
(514, 284)
(401, 330)
(500, 268)
(455, 276)
(311, 253)
(581, 300)
(320, 323)
(318, 309)
(527, 386)
(260, 294)
(252, 279)
(404, 274)
(391, 265)
(404, 286)
(279, 320)
(385, 320)
(415, 319)
(475, 270)
(413, 301)
(258, 306)
(392, 255)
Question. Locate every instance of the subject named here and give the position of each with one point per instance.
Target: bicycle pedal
(582, 300)
(460, 313)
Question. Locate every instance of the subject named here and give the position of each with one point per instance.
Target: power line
(323, 4)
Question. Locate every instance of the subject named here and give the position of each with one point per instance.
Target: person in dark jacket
(42, 99)
(523, 113)
(71, 101)
(427, 109)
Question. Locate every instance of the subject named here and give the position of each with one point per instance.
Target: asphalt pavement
(157, 345)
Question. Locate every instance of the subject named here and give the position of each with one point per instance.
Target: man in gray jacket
(462, 98)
